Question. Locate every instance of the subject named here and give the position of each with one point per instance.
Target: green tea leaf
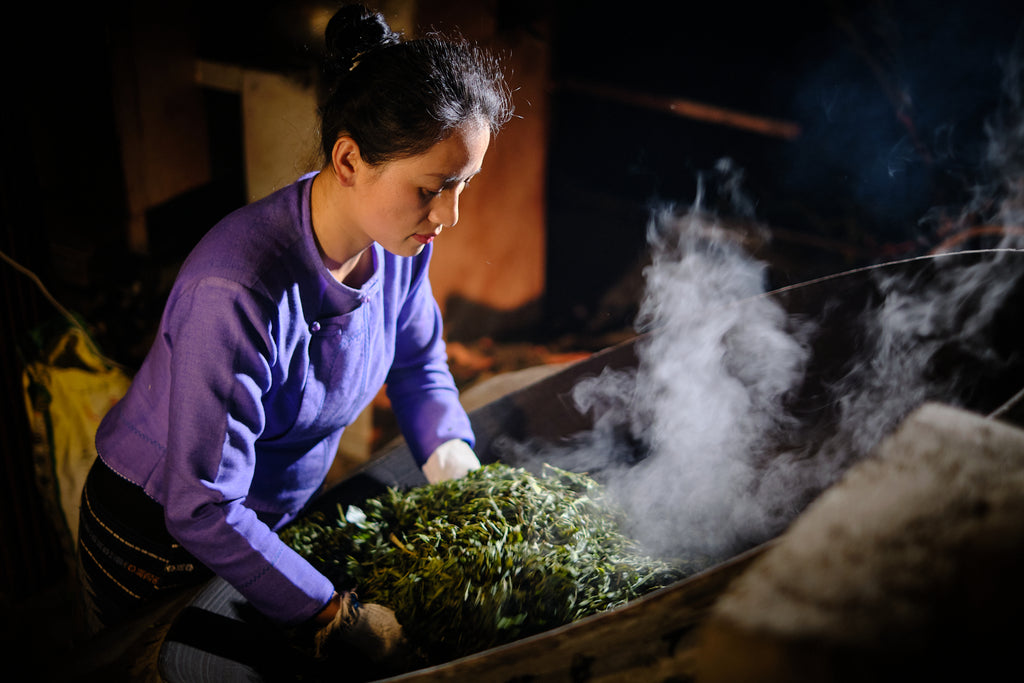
(487, 559)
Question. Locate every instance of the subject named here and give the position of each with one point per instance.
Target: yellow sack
(68, 389)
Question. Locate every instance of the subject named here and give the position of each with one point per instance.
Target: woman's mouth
(424, 239)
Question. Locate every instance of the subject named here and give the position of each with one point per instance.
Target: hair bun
(353, 31)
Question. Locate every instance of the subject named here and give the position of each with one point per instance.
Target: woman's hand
(452, 460)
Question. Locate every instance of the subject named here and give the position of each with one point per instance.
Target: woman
(282, 325)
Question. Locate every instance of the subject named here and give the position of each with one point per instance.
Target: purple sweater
(260, 361)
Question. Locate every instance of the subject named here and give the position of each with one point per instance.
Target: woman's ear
(345, 159)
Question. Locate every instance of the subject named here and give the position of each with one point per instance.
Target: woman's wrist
(326, 615)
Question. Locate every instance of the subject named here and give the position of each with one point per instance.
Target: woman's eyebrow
(452, 180)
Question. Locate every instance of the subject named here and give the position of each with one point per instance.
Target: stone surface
(910, 565)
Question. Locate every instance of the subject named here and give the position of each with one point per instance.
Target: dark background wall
(891, 100)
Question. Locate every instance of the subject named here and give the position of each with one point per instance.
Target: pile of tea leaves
(476, 562)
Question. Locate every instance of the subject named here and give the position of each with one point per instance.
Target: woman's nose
(444, 210)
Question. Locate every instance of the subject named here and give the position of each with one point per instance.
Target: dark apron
(126, 557)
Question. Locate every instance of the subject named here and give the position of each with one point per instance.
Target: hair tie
(355, 60)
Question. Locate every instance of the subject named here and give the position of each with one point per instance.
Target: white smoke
(699, 445)
(922, 341)
(714, 366)
(702, 443)
(681, 441)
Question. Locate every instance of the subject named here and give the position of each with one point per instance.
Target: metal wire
(1003, 409)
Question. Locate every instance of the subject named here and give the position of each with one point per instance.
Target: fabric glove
(372, 630)
(452, 460)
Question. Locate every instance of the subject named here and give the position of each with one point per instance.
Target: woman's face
(403, 205)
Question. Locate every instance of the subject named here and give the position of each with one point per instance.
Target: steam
(714, 367)
(682, 440)
(707, 399)
(701, 444)
(927, 339)
(724, 431)
(1006, 151)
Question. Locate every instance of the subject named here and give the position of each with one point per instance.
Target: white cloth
(452, 460)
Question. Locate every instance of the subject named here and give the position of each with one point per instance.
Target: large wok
(218, 637)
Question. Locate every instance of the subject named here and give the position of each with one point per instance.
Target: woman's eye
(430, 194)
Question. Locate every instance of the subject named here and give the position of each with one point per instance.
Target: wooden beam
(692, 109)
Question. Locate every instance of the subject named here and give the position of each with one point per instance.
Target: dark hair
(398, 98)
